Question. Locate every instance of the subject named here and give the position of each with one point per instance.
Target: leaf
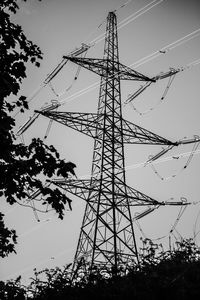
(24, 169)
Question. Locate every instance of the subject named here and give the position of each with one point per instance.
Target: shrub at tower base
(161, 275)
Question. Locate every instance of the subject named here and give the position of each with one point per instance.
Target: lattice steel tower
(107, 234)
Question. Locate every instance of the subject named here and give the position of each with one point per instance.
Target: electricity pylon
(107, 235)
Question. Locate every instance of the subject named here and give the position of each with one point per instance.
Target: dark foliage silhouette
(161, 274)
(23, 168)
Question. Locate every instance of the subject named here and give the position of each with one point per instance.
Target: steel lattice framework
(107, 234)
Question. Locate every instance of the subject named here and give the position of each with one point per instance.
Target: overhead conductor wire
(137, 64)
(92, 43)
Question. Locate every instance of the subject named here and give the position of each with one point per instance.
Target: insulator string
(48, 129)
(53, 90)
(161, 100)
(191, 155)
(195, 225)
(171, 231)
(71, 85)
(181, 212)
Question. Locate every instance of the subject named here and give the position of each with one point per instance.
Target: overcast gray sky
(60, 26)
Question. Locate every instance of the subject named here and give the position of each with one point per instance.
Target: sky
(58, 27)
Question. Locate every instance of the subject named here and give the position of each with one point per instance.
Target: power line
(146, 59)
(129, 19)
(166, 48)
(97, 40)
(123, 5)
(95, 84)
(136, 64)
(144, 163)
(37, 264)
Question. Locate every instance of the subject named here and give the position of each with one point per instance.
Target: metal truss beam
(82, 188)
(107, 67)
(82, 122)
(88, 123)
(134, 134)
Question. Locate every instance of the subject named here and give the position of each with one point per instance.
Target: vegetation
(22, 166)
(161, 275)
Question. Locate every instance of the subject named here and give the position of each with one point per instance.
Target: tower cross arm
(86, 123)
(134, 134)
(77, 187)
(82, 188)
(127, 73)
(136, 198)
(108, 68)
